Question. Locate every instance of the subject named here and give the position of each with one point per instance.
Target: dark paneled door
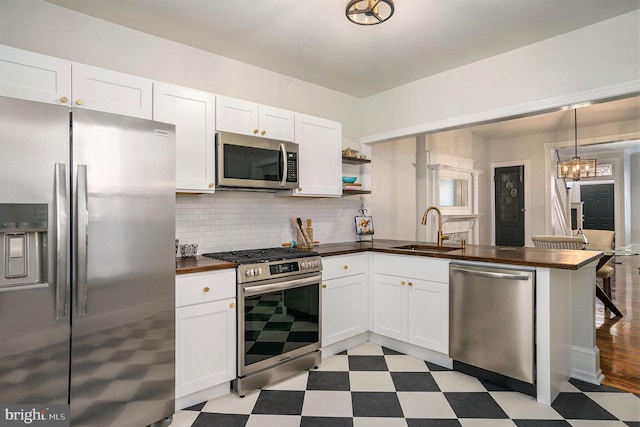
(598, 206)
(509, 206)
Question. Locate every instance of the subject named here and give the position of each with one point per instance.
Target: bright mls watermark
(34, 415)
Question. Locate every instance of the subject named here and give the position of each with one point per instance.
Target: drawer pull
(206, 289)
(346, 267)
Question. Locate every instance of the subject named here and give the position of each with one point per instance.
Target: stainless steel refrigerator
(87, 263)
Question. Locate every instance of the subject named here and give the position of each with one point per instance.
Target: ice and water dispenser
(23, 236)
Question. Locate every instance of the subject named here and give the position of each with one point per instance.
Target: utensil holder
(300, 240)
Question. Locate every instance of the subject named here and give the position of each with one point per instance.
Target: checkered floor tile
(370, 386)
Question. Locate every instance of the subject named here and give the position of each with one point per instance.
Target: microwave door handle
(283, 150)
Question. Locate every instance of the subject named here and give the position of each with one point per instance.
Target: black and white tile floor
(371, 386)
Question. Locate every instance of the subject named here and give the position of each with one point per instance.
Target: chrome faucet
(441, 237)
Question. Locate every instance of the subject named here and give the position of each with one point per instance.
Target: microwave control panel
(292, 167)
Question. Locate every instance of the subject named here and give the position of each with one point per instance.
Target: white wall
(595, 61)
(480, 153)
(393, 189)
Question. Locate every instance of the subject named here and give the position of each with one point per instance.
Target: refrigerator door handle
(82, 225)
(62, 232)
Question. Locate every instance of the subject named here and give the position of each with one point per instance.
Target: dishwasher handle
(491, 274)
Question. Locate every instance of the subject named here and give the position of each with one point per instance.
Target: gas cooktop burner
(253, 256)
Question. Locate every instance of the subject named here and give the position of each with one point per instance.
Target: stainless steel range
(279, 310)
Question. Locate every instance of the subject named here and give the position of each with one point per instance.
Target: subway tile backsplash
(233, 220)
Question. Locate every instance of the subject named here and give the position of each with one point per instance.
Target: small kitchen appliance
(279, 314)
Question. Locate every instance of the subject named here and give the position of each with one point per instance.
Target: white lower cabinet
(344, 297)
(407, 306)
(205, 330)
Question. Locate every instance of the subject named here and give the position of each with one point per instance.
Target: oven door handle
(295, 283)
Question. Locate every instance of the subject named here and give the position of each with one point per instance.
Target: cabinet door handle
(263, 133)
(79, 102)
(324, 286)
(206, 289)
(232, 305)
(346, 267)
(255, 131)
(402, 282)
(410, 283)
(64, 99)
(211, 185)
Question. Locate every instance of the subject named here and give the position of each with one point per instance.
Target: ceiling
(313, 40)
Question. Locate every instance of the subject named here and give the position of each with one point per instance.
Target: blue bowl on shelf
(349, 179)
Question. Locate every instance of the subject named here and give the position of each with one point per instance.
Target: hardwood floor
(619, 338)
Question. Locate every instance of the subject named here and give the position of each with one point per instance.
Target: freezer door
(122, 362)
(34, 331)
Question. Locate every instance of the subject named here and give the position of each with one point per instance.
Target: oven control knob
(259, 272)
(249, 273)
(315, 263)
(303, 265)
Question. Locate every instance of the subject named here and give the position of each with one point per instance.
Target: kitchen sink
(425, 248)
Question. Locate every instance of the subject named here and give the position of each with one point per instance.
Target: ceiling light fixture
(576, 168)
(369, 12)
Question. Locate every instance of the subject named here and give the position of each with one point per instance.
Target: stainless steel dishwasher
(492, 323)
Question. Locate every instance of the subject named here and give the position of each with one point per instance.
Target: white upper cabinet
(276, 123)
(112, 92)
(320, 156)
(248, 118)
(193, 113)
(41, 78)
(34, 77)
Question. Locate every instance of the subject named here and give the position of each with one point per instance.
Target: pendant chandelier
(576, 168)
(369, 12)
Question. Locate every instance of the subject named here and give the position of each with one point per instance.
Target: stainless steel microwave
(253, 162)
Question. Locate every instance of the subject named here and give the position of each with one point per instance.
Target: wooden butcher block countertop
(531, 257)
